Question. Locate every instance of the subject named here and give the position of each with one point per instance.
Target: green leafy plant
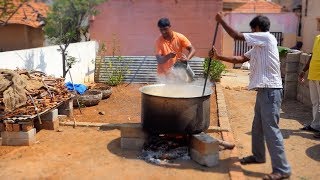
(283, 51)
(216, 68)
(116, 70)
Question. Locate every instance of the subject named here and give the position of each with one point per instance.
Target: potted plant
(216, 69)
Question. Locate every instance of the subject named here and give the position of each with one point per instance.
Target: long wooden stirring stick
(207, 74)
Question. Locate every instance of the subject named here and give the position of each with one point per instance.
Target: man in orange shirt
(169, 47)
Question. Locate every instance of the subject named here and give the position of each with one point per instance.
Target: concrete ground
(302, 149)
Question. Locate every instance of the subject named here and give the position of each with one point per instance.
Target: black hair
(163, 22)
(262, 22)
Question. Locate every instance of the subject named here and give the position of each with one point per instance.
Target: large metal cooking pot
(169, 108)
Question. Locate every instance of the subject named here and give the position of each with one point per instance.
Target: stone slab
(132, 130)
(66, 108)
(206, 160)
(18, 142)
(204, 144)
(50, 116)
(18, 135)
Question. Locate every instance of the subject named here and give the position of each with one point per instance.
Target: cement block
(291, 77)
(18, 142)
(132, 143)
(293, 57)
(204, 144)
(289, 86)
(132, 130)
(206, 160)
(300, 97)
(50, 116)
(66, 108)
(292, 67)
(19, 135)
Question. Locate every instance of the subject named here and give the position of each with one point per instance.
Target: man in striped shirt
(265, 77)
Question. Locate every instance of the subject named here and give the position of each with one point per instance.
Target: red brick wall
(134, 23)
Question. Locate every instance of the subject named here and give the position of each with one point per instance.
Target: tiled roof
(30, 13)
(259, 6)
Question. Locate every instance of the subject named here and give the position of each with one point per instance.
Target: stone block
(300, 97)
(301, 66)
(291, 77)
(293, 57)
(204, 144)
(48, 125)
(209, 160)
(132, 130)
(18, 142)
(305, 58)
(16, 127)
(66, 108)
(132, 143)
(50, 116)
(302, 58)
(18, 135)
(292, 67)
(290, 90)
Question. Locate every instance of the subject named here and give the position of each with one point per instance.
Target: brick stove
(202, 148)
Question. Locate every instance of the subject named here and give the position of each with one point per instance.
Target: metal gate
(240, 47)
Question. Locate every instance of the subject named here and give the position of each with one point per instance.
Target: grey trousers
(314, 87)
(265, 129)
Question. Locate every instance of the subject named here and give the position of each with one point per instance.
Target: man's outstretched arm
(233, 33)
(233, 59)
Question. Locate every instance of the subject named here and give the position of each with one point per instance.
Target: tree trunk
(64, 72)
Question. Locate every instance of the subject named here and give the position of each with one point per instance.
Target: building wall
(309, 23)
(49, 60)
(287, 23)
(134, 23)
(15, 37)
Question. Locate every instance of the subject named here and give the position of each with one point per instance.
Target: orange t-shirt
(164, 47)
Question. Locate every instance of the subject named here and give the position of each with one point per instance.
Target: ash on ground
(164, 149)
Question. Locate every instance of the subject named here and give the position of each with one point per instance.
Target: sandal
(276, 176)
(308, 128)
(250, 160)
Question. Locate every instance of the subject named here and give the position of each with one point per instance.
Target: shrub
(116, 70)
(216, 68)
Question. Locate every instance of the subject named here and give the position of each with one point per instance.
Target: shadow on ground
(313, 152)
(292, 109)
(223, 167)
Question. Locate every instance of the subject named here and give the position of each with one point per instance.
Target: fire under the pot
(164, 149)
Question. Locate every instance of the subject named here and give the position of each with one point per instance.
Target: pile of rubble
(25, 94)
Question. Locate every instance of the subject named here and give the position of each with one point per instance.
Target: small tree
(66, 22)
